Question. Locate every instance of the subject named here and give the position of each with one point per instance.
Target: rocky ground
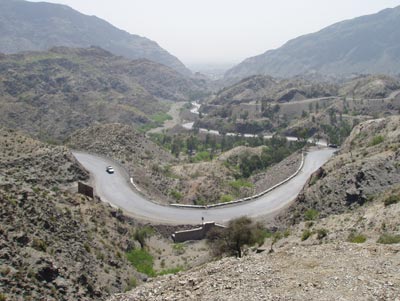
(366, 166)
(327, 264)
(323, 272)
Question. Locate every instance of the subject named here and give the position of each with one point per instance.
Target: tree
(239, 233)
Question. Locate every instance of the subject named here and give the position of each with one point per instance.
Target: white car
(110, 169)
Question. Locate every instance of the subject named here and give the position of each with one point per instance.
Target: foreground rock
(324, 272)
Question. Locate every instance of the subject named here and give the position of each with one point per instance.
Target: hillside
(367, 44)
(51, 94)
(28, 26)
(53, 242)
(365, 168)
(265, 88)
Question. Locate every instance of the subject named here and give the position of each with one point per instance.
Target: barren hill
(51, 94)
(28, 26)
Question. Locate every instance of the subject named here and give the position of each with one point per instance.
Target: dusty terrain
(323, 272)
(366, 166)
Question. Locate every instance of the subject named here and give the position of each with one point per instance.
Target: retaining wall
(250, 198)
(195, 234)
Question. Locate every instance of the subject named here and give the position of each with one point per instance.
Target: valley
(126, 176)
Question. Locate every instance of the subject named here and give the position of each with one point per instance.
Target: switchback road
(117, 190)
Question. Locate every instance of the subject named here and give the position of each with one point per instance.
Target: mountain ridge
(367, 44)
(39, 26)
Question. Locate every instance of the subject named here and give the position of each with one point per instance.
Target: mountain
(368, 44)
(51, 94)
(27, 26)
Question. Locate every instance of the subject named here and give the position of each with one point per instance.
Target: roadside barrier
(250, 198)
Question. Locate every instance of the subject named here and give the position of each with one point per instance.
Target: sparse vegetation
(389, 239)
(393, 199)
(226, 198)
(39, 244)
(311, 215)
(322, 233)
(356, 238)
(240, 232)
(306, 234)
(142, 260)
(141, 234)
(377, 140)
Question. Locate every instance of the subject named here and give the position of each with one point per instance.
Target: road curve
(118, 191)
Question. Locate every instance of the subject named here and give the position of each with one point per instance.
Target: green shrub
(377, 140)
(3, 297)
(226, 198)
(356, 238)
(306, 234)
(142, 261)
(393, 199)
(311, 214)
(286, 233)
(240, 183)
(389, 239)
(176, 195)
(321, 233)
(202, 156)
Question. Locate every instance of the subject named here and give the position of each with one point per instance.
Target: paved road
(117, 190)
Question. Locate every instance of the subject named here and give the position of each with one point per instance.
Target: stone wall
(195, 234)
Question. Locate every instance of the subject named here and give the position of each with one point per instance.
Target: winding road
(117, 190)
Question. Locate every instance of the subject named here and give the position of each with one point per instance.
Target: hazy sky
(224, 31)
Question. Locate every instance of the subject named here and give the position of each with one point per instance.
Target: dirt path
(174, 113)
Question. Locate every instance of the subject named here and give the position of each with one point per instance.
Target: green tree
(239, 233)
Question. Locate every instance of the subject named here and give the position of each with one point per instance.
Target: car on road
(110, 169)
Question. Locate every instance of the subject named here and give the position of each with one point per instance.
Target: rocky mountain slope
(55, 244)
(51, 94)
(265, 88)
(27, 26)
(370, 87)
(366, 166)
(367, 44)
